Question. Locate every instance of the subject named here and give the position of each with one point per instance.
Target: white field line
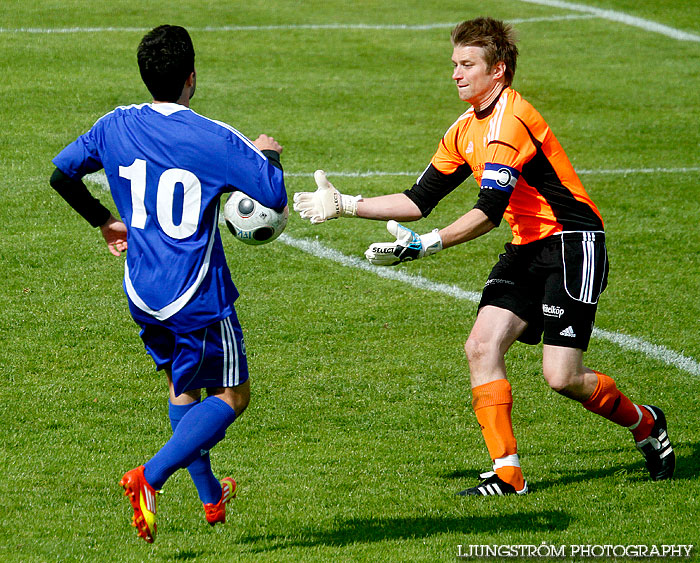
(289, 27)
(620, 17)
(591, 12)
(624, 341)
(315, 248)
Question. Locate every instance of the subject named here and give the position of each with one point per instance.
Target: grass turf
(359, 432)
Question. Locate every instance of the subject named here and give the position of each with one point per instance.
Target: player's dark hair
(166, 59)
(497, 39)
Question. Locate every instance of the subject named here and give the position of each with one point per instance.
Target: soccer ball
(251, 222)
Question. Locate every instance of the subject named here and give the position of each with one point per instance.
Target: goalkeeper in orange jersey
(546, 284)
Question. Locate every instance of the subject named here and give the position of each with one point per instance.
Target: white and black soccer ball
(251, 222)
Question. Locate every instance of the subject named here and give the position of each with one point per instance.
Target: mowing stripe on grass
(590, 12)
(288, 27)
(669, 357)
(621, 17)
(315, 248)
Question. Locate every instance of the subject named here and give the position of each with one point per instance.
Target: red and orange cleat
(143, 500)
(216, 513)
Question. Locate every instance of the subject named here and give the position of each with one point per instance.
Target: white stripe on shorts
(229, 356)
(231, 373)
(225, 346)
(234, 343)
(588, 271)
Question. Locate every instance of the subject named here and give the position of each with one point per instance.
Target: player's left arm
(506, 156)
(497, 184)
(469, 226)
(75, 193)
(114, 233)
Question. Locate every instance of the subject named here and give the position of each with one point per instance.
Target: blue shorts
(213, 356)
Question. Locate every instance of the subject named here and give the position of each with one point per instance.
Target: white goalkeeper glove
(408, 246)
(325, 203)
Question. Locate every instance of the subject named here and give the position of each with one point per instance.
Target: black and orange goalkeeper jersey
(524, 174)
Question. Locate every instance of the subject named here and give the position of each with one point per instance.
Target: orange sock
(608, 402)
(492, 404)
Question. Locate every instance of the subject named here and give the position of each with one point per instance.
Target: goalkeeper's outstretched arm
(469, 226)
(411, 246)
(328, 203)
(387, 207)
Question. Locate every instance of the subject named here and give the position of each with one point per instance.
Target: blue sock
(208, 486)
(201, 428)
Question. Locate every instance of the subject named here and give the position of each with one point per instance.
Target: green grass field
(360, 429)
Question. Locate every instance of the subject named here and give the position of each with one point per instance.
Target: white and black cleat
(492, 485)
(657, 449)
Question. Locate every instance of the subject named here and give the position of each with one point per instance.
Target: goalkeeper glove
(325, 203)
(408, 246)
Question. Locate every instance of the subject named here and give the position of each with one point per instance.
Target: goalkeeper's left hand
(408, 246)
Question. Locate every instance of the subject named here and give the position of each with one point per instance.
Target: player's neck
(480, 105)
(183, 100)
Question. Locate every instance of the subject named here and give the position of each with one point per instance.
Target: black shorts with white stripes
(552, 284)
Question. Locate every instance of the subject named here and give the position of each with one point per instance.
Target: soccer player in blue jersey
(167, 168)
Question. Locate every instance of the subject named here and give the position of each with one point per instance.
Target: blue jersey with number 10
(167, 168)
